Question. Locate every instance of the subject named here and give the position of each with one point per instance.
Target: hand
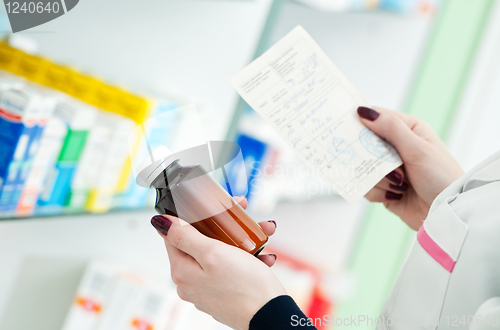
(427, 170)
(221, 280)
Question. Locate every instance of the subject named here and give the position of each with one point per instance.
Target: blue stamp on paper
(342, 150)
(378, 147)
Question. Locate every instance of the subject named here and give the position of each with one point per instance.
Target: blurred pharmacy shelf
(65, 138)
(152, 68)
(161, 47)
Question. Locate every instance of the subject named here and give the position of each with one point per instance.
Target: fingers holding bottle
(188, 243)
(209, 273)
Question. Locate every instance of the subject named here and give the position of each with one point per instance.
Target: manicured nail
(395, 177)
(389, 195)
(274, 222)
(161, 224)
(368, 113)
(275, 256)
(404, 187)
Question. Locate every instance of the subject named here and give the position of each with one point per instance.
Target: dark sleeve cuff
(281, 313)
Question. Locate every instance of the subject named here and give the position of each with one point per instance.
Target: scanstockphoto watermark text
(367, 321)
(351, 321)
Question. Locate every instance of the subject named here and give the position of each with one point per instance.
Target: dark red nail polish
(161, 224)
(403, 187)
(389, 195)
(275, 256)
(395, 177)
(368, 113)
(274, 222)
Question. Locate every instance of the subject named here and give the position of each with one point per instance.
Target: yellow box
(57, 77)
(33, 67)
(134, 107)
(83, 87)
(9, 57)
(106, 98)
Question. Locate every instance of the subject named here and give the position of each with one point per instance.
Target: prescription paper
(303, 95)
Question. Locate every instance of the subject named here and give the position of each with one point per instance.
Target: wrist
(260, 302)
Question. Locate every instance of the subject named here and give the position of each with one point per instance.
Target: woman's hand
(221, 280)
(428, 166)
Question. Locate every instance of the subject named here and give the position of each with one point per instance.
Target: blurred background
(76, 247)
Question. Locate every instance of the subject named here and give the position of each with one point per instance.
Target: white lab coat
(452, 273)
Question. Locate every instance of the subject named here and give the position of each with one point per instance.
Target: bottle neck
(167, 176)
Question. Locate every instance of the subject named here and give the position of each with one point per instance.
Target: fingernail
(395, 177)
(389, 195)
(404, 187)
(368, 113)
(161, 224)
(274, 222)
(275, 256)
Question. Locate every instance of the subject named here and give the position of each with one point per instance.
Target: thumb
(181, 235)
(393, 127)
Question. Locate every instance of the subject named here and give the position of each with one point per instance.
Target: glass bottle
(188, 192)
